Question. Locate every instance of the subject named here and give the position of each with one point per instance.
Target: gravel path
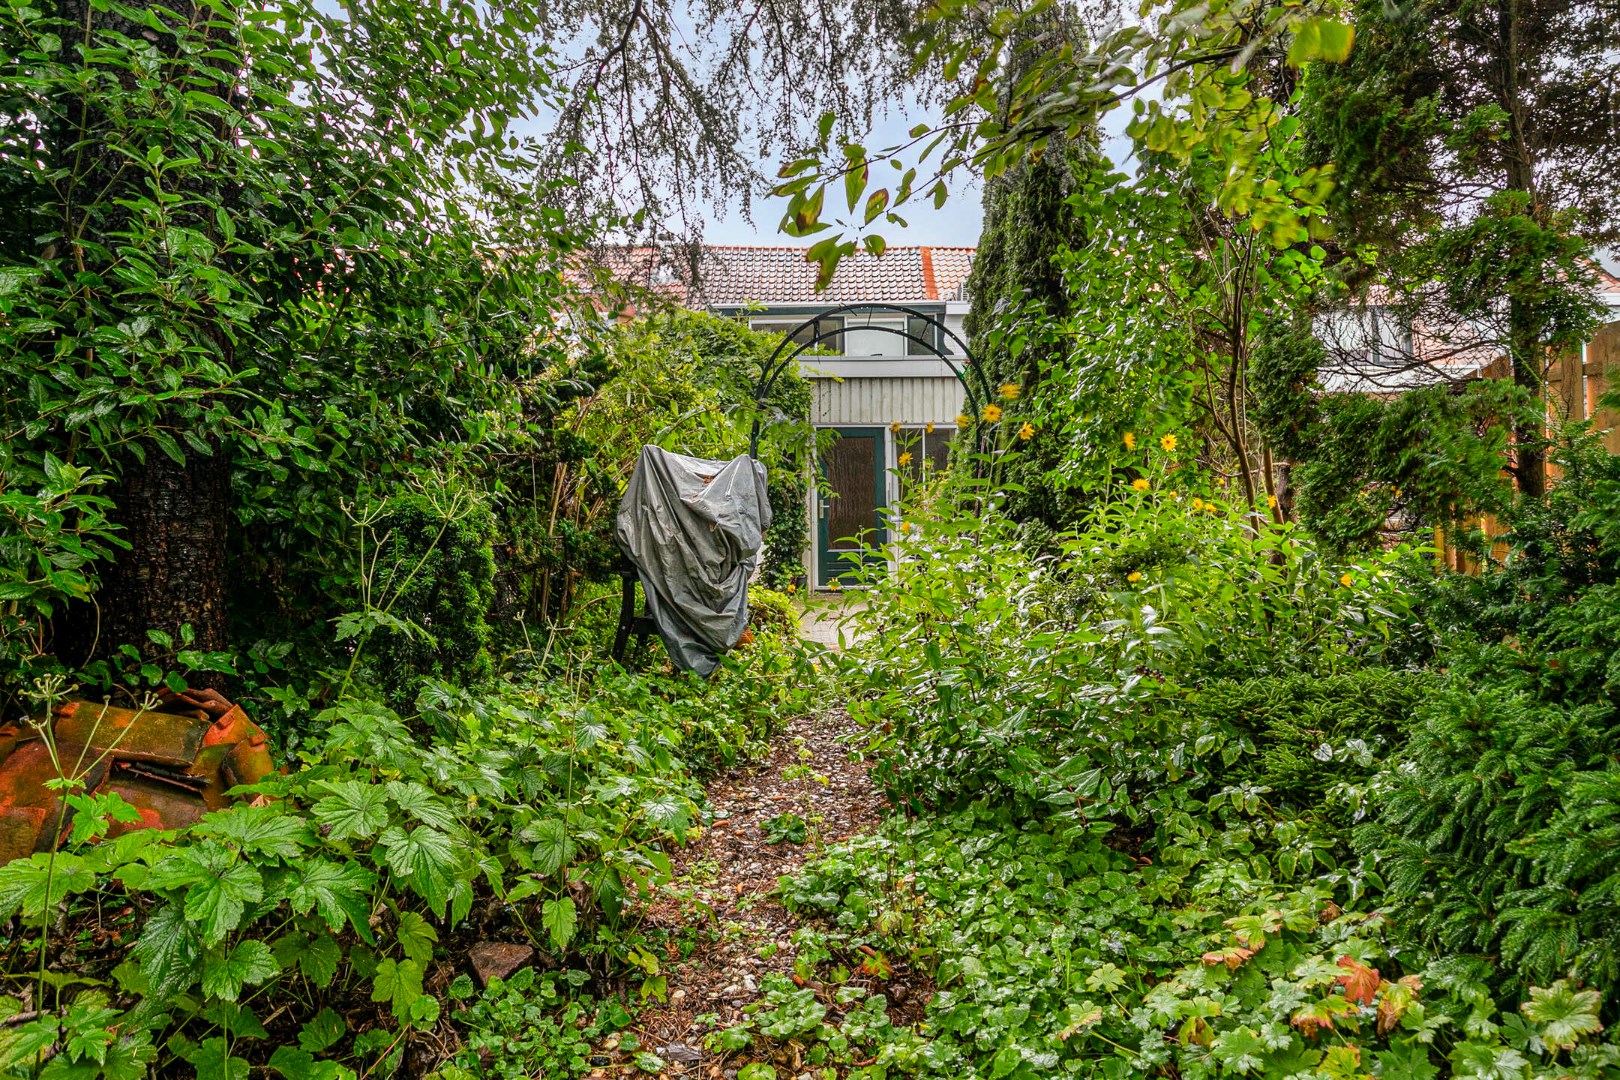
(719, 905)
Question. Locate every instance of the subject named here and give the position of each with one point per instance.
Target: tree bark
(175, 519)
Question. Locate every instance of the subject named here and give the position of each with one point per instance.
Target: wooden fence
(1574, 385)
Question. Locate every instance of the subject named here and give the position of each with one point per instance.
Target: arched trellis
(771, 370)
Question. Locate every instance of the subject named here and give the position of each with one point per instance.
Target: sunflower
(1027, 431)
(1130, 441)
(1010, 391)
(1168, 442)
(1140, 483)
(991, 414)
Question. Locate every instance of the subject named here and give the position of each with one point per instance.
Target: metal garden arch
(771, 370)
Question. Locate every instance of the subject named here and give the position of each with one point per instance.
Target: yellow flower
(792, 588)
(895, 427)
(1027, 432)
(1140, 483)
(1176, 495)
(991, 414)
(963, 420)
(904, 459)
(1010, 391)
(834, 585)
(928, 428)
(1134, 575)
(1271, 501)
(1347, 581)
(1198, 504)
(1211, 507)
(1130, 441)
(1168, 442)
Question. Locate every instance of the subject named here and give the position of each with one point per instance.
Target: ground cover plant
(321, 928)
(1129, 843)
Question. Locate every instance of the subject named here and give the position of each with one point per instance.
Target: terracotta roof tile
(729, 275)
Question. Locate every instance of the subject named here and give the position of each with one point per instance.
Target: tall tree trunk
(1524, 337)
(1530, 432)
(175, 518)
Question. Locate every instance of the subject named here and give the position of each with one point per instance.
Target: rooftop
(723, 275)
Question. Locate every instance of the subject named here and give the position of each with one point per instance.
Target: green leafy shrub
(1309, 734)
(1497, 823)
(438, 570)
(531, 1023)
(988, 669)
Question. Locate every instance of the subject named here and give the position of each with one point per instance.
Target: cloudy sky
(957, 224)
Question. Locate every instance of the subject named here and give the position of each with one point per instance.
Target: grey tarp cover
(693, 529)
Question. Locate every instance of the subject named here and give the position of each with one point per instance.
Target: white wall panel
(880, 402)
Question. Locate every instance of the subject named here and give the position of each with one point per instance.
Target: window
(805, 332)
(921, 454)
(925, 329)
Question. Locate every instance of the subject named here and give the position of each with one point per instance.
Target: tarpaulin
(693, 529)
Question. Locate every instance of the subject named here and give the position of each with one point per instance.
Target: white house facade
(877, 380)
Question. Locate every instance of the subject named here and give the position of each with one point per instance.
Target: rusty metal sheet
(20, 830)
(161, 805)
(158, 737)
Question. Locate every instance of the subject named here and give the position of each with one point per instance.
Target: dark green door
(850, 511)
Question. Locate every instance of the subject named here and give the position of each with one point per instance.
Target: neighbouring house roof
(725, 275)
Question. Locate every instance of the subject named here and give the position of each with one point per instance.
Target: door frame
(824, 558)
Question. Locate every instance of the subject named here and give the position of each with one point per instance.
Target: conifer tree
(1474, 145)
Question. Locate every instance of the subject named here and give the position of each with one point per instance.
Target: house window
(804, 332)
(926, 329)
(874, 335)
(921, 454)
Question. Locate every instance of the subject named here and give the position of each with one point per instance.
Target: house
(879, 382)
(1380, 347)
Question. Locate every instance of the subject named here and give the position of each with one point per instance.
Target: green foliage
(990, 669)
(1423, 458)
(437, 565)
(1311, 733)
(532, 1022)
(784, 828)
(545, 806)
(1497, 823)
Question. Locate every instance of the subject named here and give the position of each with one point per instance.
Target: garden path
(726, 931)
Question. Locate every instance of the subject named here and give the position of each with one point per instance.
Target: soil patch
(726, 931)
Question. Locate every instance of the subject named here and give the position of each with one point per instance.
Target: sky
(956, 224)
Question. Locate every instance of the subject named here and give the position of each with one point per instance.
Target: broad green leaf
(323, 1031)
(316, 957)
(217, 903)
(267, 830)
(560, 920)
(1565, 1013)
(213, 1061)
(398, 982)
(340, 892)
(169, 951)
(248, 964)
(353, 809)
(552, 848)
(416, 937)
(34, 885)
(421, 803)
(295, 1063)
(423, 857)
